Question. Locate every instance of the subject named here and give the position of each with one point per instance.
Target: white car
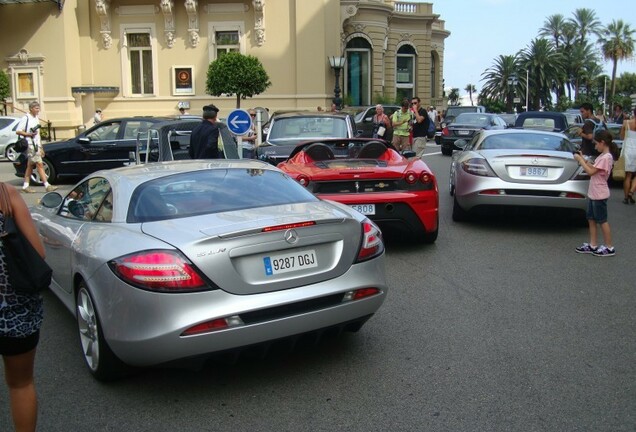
(8, 126)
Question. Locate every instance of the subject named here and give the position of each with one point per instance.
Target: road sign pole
(239, 142)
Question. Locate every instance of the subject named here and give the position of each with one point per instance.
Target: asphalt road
(498, 326)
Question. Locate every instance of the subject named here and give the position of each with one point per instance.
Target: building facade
(149, 57)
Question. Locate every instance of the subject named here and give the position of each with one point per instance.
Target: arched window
(358, 71)
(405, 72)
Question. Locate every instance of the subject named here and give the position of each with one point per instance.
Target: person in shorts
(401, 121)
(29, 128)
(21, 317)
(598, 194)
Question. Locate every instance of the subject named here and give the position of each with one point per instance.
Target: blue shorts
(597, 210)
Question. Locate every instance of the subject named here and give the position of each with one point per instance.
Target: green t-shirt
(399, 116)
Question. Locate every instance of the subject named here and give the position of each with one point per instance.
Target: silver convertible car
(516, 167)
(177, 260)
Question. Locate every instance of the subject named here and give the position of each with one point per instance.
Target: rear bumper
(411, 212)
(145, 328)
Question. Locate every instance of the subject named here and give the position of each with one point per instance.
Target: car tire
(446, 151)
(459, 214)
(100, 359)
(10, 153)
(49, 170)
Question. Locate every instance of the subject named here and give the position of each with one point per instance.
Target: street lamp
(337, 63)
(512, 82)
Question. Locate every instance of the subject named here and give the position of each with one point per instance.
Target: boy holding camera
(598, 192)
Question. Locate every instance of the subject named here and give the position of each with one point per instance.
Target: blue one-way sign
(239, 122)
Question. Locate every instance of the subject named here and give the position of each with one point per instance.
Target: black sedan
(289, 129)
(465, 126)
(106, 145)
(364, 120)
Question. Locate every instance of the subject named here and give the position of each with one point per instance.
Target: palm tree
(578, 59)
(545, 66)
(617, 43)
(500, 81)
(453, 96)
(585, 22)
(470, 88)
(554, 26)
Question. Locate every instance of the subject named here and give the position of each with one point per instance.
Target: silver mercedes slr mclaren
(178, 260)
(516, 167)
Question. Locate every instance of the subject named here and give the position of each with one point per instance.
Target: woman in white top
(628, 134)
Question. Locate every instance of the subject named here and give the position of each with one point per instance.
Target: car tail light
(372, 244)
(445, 132)
(410, 177)
(477, 166)
(213, 325)
(426, 178)
(360, 294)
(303, 180)
(158, 270)
(572, 195)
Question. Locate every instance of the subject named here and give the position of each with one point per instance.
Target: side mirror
(409, 154)
(368, 119)
(84, 140)
(461, 143)
(51, 200)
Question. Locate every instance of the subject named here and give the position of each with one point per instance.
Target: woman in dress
(20, 320)
(628, 134)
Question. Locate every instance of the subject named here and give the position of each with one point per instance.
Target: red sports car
(397, 191)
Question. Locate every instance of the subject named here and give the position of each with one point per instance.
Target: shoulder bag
(28, 272)
(21, 145)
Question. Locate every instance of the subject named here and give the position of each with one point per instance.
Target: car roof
(541, 114)
(489, 132)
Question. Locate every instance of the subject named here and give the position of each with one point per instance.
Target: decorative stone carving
(259, 21)
(193, 21)
(102, 6)
(359, 28)
(405, 36)
(167, 7)
(346, 12)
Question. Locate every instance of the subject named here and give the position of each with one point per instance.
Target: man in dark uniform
(204, 140)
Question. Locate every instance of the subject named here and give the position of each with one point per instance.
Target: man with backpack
(590, 126)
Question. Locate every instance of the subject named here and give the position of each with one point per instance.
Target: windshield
(519, 141)
(290, 129)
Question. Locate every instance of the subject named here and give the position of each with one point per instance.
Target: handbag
(21, 145)
(28, 272)
(618, 172)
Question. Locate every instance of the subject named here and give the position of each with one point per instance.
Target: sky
(481, 30)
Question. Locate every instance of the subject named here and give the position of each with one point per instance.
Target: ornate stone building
(147, 57)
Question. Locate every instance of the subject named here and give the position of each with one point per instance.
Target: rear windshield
(4, 122)
(526, 142)
(213, 191)
(306, 127)
(538, 123)
(472, 119)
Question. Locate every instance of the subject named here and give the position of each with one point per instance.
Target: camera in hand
(35, 128)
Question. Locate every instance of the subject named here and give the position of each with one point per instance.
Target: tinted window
(474, 120)
(213, 191)
(525, 142)
(4, 122)
(104, 132)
